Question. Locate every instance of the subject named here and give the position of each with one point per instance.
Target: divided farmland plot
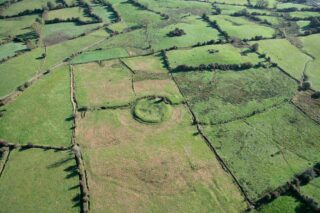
(159, 106)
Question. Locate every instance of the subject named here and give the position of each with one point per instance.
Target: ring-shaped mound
(152, 110)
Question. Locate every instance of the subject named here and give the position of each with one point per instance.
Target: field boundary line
(304, 113)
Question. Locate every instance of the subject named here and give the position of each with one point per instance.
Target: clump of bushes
(176, 32)
(316, 95)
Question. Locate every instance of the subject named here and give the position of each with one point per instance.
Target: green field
(40, 115)
(162, 106)
(312, 189)
(223, 54)
(14, 73)
(284, 204)
(242, 28)
(289, 58)
(39, 181)
(268, 149)
(218, 97)
(10, 49)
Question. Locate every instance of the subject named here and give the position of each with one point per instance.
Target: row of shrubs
(215, 66)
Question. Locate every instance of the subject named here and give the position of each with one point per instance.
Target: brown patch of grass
(309, 105)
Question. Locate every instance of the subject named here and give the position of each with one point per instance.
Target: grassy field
(26, 5)
(152, 168)
(293, 63)
(218, 97)
(15, 72)
(106, 85)
(311, 46)
(10, 49)
(16, 26)
(266, 150)
(39, 181)
(99, 55)
(59, 32)
(284, 204)
(41, 114)
(130, 96)
(68, 13)
(196, 30)
(242, 28)
(223, 54)
(312, 189)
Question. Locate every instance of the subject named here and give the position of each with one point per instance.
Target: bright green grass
(151, 110)
(62, 31)
(242, 28)
(312, 189)
(196, 31)
(291, 5)
(40, 114)
(287, 56)
(68, 13)
(227, 9)
(227, 54)
(10, 49)
(106, 85)
(228, 95)
(25, 5)
(39, 181)
(99, 55)
(16, 26)
(284, 204)
(311, 44)
(268, 149)
(271, 19)
(304, 14)
(163, 167)
(15, 72)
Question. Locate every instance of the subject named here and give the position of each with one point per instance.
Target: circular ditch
(152, 110)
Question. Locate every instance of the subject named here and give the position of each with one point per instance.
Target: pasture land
(289, 57)
(148, 64)
(221, 54)
(266, 150)
(312, 189)
(15, 72)
(41, 115)
(37, 180)
(152, 168)
(108, 84)
(16, 26)
(99, 55)
(242, 28)
(10, 49)
(196, 31)
(24, 5)
(284, 204)
(68, 13)
(222, 96)
(311, 44)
